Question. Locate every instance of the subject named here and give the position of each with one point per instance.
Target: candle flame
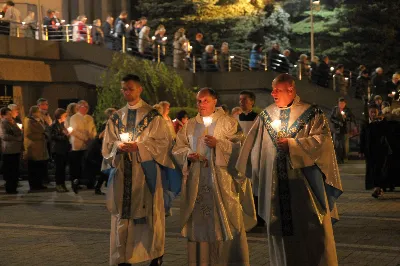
(207, 121)
(124, 137)
(342, 112)
(276, 125)
(70, 129)
(19, 125)
(393, 92)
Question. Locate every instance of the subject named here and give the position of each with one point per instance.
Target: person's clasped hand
(210, 141)
(128, 147)
(283, 144)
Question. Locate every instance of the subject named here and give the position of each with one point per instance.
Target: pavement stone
(49, 228)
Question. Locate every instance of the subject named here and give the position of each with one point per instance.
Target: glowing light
(164, 39)
(124, 137)
(342, 112)
(63, 21)
(232, 56)
(276, 125)
(393, 92)
(70, 129)
(207, 120)
(153, 38)
(57, 24)
(19, 125)
(332, 68)
(126, 25)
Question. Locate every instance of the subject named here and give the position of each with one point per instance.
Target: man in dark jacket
(341, 118)
(378, 84)
(108, 31)
(374, 146)
(120, 30)
(324, 72)
(362, 85)
(273, 54)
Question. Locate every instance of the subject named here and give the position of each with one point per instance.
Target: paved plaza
(45, 229)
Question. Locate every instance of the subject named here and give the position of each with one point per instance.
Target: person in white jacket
(82, 130)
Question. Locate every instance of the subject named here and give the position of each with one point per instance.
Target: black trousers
(260, 221)
(61, 161)
(11, 171)
(76, 164)
(37, 171)
(340, 146)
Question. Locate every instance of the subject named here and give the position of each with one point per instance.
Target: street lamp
(312, 4)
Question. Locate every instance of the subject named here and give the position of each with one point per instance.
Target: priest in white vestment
(136, 145)
(289, 155)
(216, 203)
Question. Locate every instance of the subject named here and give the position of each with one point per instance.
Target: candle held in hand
(276, 125)
(19, 125)
(342, 112)
(124, 137)
(207, 120)
(70, 129)
(393, 92)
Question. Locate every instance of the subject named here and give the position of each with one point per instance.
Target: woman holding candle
(11, 147)
(36, 152)
(60, 147)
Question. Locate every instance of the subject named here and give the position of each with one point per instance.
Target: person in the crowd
(340, 81)
(208, 60)
(79, 30)
(120, 30)
(314, 70)
(36, 149)
(256, 58)
(378, 101)
(236, 111)
(136, 159)
(378, 83)
(159, 44)
(273, 54)
(324, 72)
(247, 100)
(71, 110)
(362, 86)
(159, 108)
(341, 118)
(393, 88)
(374, 146)
(180, 49)
(145, 42)
(223, 58)
(51, 29)
(60, 148)
(165, 114)
(198, 46)
(29, 25)
(181, 119)
(97, 33)
(15, 113)
(290, 157)
(204, 146)
(11, 147)
(13, 15)
(360, 69)
(94, 159)
(108, 31)
(43, 105)
(82, 131)
(4, 24)
(304, 67)
(286, 66)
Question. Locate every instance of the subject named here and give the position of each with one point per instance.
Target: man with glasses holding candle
(135, 147)
(82, 130)
(289, 155)
(217, 204)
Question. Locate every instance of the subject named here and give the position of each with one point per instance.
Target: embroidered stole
(282, 158)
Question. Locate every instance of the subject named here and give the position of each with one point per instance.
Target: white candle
(19, 125)
(393, 92)
(342, 112)
(276, 125)
(70, 129)
(124, 137)
(153, 38)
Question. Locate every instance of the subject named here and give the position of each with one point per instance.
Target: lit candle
(332, 68)
(19, 125)
(342, 112)
(124, 137)
(23, 22)
(70, 129)
(207, 120)
(393, 92)
(126, 25)
(153, 38)
(276, 125)
(63, 21)
(57, 24)
(1, 16)
(164, 39)
(346, 79)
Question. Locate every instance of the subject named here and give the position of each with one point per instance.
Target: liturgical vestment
(297, 190)
(135, 193)
(216, 203)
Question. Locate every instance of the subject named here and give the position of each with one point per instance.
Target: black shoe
(157, 262)
(98, 192)
(75, 185)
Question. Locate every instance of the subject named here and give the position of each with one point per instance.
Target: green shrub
(159, 82)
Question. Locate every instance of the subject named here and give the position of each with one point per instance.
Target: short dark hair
(131, 77)
(4, 110)
(284, 78)
(324, 57)
(210, 91)
(10, 3)
(342, 99)
(123, 13)
(373, 106)
(365, 72)
(41, 100)
(251, 95)
(181, 114)
(59, 112)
